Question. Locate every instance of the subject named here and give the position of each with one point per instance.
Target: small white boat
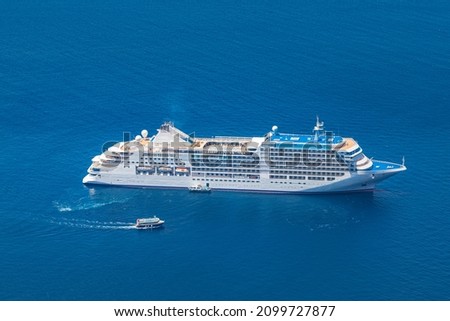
(152, 222)
(200, 188)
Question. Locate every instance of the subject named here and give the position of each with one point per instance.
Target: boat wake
(83, 204)
(98, 225)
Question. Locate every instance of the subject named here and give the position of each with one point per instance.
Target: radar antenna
(319, 124)
(318, 129)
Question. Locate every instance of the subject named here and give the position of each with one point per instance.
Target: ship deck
(307, 139)
(222, 140)
(348, 144)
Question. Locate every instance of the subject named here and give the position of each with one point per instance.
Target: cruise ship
(320, 162)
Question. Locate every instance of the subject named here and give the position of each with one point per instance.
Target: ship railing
(233, 138)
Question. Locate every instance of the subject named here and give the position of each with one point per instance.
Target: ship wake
(94, 224)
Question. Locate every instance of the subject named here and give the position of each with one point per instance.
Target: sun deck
(299, 141)
(222, 141)
(348, 145)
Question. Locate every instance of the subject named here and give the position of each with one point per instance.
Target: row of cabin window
(311, 178)
(223, 180)
(232, 170)
(308, 173)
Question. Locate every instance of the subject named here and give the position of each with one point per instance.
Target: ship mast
(318, 129)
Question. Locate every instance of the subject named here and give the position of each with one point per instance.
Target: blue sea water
(76, 74)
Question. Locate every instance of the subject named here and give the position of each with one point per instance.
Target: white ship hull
(354, 182)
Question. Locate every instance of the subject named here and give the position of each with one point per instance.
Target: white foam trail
(98, 225)
(97, 222)
(64, 209)
(84, 206)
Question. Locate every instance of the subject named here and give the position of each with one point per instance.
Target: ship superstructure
(277, 163)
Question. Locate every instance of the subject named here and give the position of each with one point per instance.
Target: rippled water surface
(74, 75)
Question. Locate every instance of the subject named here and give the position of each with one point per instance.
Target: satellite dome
(274, 128)
(144, 133)
(138, 137)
